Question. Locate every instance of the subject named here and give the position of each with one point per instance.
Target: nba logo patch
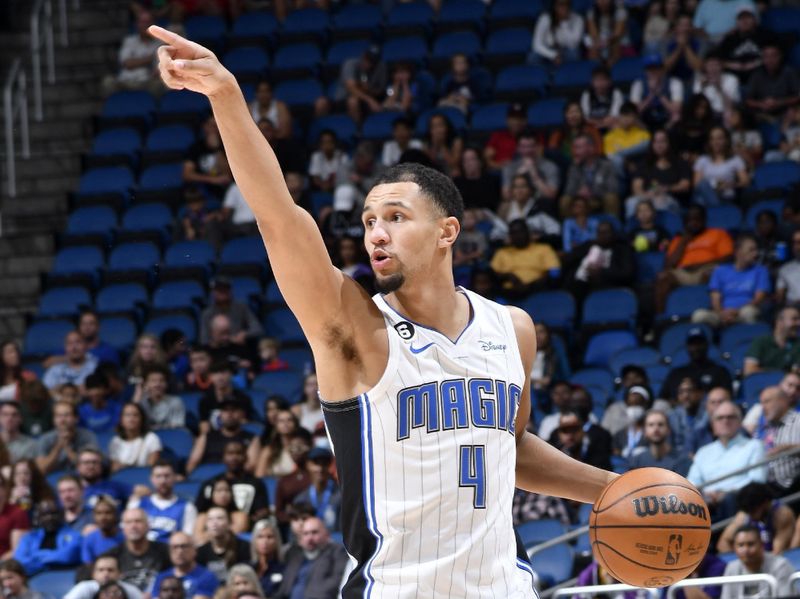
(674, 546)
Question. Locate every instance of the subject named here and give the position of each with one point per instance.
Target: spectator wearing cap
(740, 49)
(243, 323)
(502, 145)
(266, 106)
(323, 493)
(630, 439)
(402, 140)
(362, 83)
(221, 390)
(558, 35)
(627, 139)
(658, 96)
(529, 160)
(655, 449)
(577, 437)
(700, 367)
(692, 255)
(209, 447)
(737, 290)
(602, 101)
(773, 87)
(718, 17)
(779, 350)
(523, 266)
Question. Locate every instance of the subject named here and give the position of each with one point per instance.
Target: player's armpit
(526, 341)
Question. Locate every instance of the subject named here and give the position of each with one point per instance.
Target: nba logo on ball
(650, 528)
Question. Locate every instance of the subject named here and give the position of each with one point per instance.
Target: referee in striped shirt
(782, 433)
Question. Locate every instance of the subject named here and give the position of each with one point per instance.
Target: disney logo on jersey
(491, 346)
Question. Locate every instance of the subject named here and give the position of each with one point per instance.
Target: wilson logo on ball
(651, 505)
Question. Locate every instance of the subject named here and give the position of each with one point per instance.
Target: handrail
(793, 579)
(724, 581)
(573, 534)
(597, 589)
(15, 103)
(42, 27)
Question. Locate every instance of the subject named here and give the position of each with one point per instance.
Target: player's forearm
(543, 469)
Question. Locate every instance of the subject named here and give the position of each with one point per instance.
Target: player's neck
(443, 309)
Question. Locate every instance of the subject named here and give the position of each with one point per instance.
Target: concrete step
(57, 163)
(71, 110)
(12, 320)
(66, 129)
(66, 91)
(24, 265)
(28, 225)
(26, 284)
(26, 245)
(79, 55)
(53, 185)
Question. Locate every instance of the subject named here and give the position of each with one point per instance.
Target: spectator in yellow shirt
(523, 267)
(627, 138)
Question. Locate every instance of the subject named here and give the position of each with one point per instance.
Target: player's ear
(449, 232)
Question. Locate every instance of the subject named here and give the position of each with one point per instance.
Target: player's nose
(378, 235)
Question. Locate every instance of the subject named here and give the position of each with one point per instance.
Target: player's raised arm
(308, 281)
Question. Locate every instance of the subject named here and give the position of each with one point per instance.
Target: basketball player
(425, 386)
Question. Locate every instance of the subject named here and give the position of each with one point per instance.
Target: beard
(389, 283)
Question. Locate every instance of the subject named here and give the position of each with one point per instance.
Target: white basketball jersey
(427, 461)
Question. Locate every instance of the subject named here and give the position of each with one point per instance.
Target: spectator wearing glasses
(198, 582)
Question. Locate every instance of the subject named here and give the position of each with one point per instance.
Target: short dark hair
(156, 369)
(163, 463)
(601, 70)
(748, 528)
(438, 188)
(753, 495)
(170, 337)
(199, 349)
(696, 208)
(628, 108)
(12, 565)
(221, 365)
(742, 237)
(96, 380)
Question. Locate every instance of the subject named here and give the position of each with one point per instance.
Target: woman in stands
(11, 372)
(690, 133)
(15, 581)
(266, 106)
(107, 533)
(134, 444)
(443, 145)
(558, 35)
(221, 497)
(265, 547)
(147, 352)
(14, 522)
(575, 124)
(550, 364)
(309, 411)
(28, 485)
(719, 174)
(479, 188)
(662, 177)
(275, 459)
(607, 28)
(223, 548)
(272, 406)
(243, 580)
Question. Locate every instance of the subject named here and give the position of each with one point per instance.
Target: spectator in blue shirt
(581, 227)
(107, 535)
(89, 329)
(657, 450)
(73, 367)
(737, 290)
(94, 481)
(100, 414)
(198, 582)
(51, 544)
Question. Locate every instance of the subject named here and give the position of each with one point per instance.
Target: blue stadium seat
(547, 113)
(46, 337)
(188, 489)
(273, 295)
(680, 356)
(53, 583)
(534, 532)
(147, 217)
(191, 400)
(76, 260)
(683, 301)
(244, 288)
(452, 114)
(411, 15)
(205, 29)
(342, 125)
(738, 334)
(299, 359)
(574, 75)
(515, 11)
(522, 81)
(161, 177)
(170, 138)
(604, 345)
(255, 24)
(297, 57)
(508, 44)
(672, 223)
(794, 60)
(183, 102)
(553, 565)
(305, 23)
(90, 220)
(378, 125)
(793, 555)
(287, 384)
(133, 476)
(610, 306)
(456, 14)
(303, 92)
(657, 374)
(753, 384)
(553, 308)
(627, 70)
(774, 206)
(673, 338)
(641, 356)
(178, 295)
(63, 301)
(457, 42)
(182, 322)
(271, 484)
(244, 250)
(246, 61)
(129, 105)
(119, 332)
(281, 323)
(339, 52)
(137, 255)
(405, 49)
(190, 255)
(355, 18)
(782, 19)
(594, 377)
(113, 142)
(489, 118)
(106, 180)
(178, 440)
(205, 471)
(772, 175)
(648, 265)
(726, 216)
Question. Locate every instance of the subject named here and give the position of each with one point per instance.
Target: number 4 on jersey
(472, 472)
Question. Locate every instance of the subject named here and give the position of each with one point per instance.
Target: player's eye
(397, 217)
(369, 223)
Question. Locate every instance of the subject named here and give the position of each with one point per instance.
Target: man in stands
(323, 493)
(751, 559)
(198, 582)
(315, 567)
(754, 422)
(659, 452)
(703, 434)
(543, 173)
(101, 412)
(782, 432)
(94, 481)
(592, 177)
(222, 347)
(741, 48)
(221, 390)
(737, 290)
(243, 323)
(523, 266)
(59, 448)
(166, 512)
(78, 364)
(779, 350)
(363, 80)
(502, 145)
(772, 87)
(291, 485)
(52, 544)
(139, 558)
(70, 496)
(592, 446)
(731, 451)
(209, 446)
(692, 255)
(757, 506)
(700, 368)
(106, 568)
(137, 61)
(19, 445)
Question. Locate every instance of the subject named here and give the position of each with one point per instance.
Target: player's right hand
(184, 64)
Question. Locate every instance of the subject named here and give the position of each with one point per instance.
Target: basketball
(650, 528)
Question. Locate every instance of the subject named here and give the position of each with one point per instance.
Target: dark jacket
(596, 449)
(620, 272)
(324, 577)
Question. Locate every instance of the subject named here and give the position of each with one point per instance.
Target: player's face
(749, 549)
(401, 233)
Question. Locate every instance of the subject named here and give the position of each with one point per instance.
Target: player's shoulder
(523, 323)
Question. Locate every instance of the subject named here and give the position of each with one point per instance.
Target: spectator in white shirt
(721, 88)
(752, 559)
(326, 162)
(658, 97)
(134, 445)
(137, 60)
(558, 35)
(402, 140)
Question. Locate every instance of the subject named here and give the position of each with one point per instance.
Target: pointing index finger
(175, 40)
